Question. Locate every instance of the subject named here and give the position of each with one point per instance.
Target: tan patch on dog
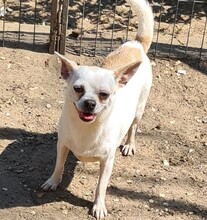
(145, 41)
(121, 57)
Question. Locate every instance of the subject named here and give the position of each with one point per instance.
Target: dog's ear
(67, 66)
(124, 74)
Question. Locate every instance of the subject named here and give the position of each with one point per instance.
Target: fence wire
(25, 24)
(96, 27)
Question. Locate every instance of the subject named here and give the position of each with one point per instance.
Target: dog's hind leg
(129, 148)
(56, 178)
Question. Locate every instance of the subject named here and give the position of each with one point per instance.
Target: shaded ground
(166, 179)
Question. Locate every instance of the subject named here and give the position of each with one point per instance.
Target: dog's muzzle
(87, 114)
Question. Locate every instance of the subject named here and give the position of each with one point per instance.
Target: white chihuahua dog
(103, 104)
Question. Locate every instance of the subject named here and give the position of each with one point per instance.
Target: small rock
(5, 189)
(40, 195)
(162, 195)
(189, 193)
(104, 19)
(204, 120)
(166, 209)
(31, 169)
(139, 131)
(19, 171)
(166, 163)
(65, 211)
(87, 193)
(151, 201)
(48, 106)
(8, 114)
(170, 67)
(191, 150)
(165, 204)
(198, 120)
(131, 28)
(122, 9)
(9, 9)
(153, 109)
(33, 88)
(33, 212)
(153, 63)
(181, 72)
(178, 62)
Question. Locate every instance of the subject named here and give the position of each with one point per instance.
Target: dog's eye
(78, 89)
(103, 95)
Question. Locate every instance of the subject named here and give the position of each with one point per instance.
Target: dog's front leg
(56, 178)
(99, 210)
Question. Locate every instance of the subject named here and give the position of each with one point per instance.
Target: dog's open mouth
(85, 116)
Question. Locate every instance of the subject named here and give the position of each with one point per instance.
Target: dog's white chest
(84, 141)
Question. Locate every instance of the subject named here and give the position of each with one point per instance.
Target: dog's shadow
(26, 163)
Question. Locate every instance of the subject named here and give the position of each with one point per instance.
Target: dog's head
(91, 89)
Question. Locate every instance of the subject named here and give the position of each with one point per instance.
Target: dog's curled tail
(145, 22)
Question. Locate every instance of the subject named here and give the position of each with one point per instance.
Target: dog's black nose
(90, 104)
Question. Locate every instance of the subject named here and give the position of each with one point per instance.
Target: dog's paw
(128, 150)
(50, 184)
(99, 210)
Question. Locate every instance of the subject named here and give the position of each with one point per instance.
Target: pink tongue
(87, 116)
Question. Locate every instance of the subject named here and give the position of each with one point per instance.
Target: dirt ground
(165, 179)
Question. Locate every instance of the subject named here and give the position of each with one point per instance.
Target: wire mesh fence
(184, 25)
(96, 27)
(25, 24)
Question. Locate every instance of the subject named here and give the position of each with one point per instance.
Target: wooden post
(58, 26)
(58, 33)
(53, 27)
(64, 24)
